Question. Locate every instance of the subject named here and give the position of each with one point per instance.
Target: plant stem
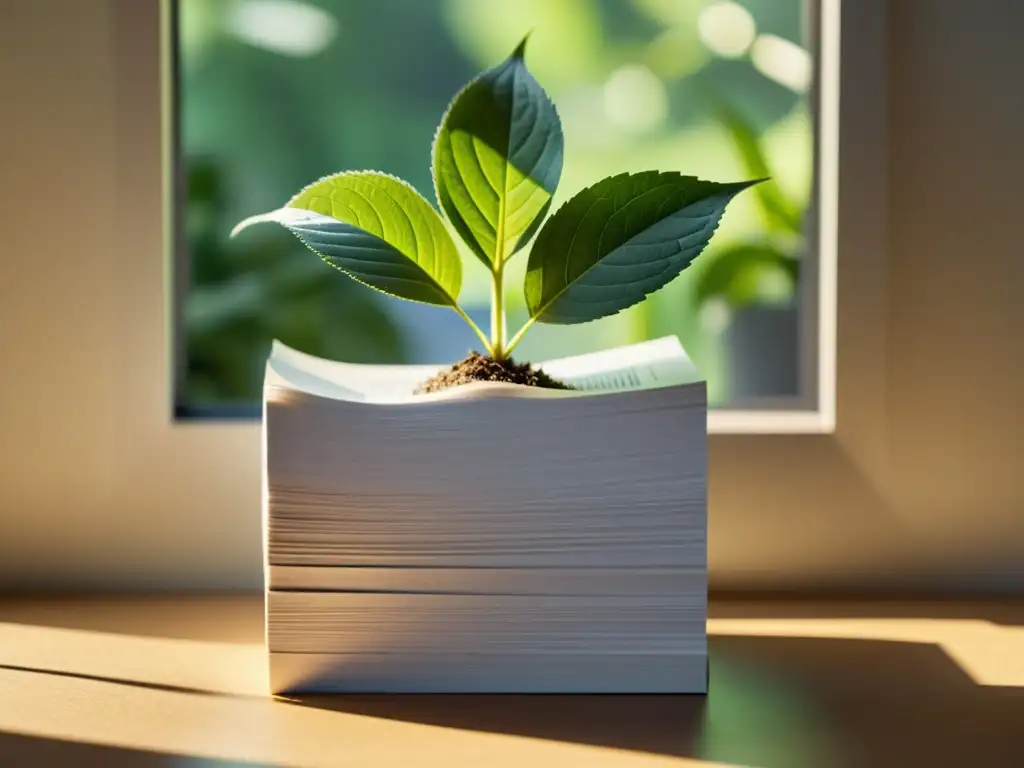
(498, 350)
(519, 335)
(476, 328)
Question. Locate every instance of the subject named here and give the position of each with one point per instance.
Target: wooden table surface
(180, 682)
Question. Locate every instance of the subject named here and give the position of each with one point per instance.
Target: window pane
(277, 93)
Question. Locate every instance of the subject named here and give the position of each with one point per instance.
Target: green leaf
(619, 240)
(497, 158)
(779, 212)
(378, 230)
(736, 273)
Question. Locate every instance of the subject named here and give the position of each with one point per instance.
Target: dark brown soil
(479, 367)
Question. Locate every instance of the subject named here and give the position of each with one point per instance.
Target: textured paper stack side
(497, 544)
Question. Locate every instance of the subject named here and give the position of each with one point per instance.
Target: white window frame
(767, 467)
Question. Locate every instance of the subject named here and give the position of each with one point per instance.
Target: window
(272, 94)
(175, 504)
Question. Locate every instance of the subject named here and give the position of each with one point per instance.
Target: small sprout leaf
(619, 240)
(497, 158)
(378, 230)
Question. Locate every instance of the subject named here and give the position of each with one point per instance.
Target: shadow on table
(775, 702)
(19, 750)
(657, 723)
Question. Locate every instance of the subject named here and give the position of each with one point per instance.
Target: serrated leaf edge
(268, 217)
(537, 317)
(520, 54)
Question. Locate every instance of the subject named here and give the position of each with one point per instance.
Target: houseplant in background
(754, 280)
(533, 538)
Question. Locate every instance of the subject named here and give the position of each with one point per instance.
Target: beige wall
(95, 491)
(956, 335)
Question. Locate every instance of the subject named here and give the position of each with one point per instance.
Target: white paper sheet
(658, 363)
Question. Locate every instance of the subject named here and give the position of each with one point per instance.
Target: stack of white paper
(490, 537)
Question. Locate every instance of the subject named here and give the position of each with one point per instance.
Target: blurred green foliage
(764, 268)
(277, 93)
(242, 297)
